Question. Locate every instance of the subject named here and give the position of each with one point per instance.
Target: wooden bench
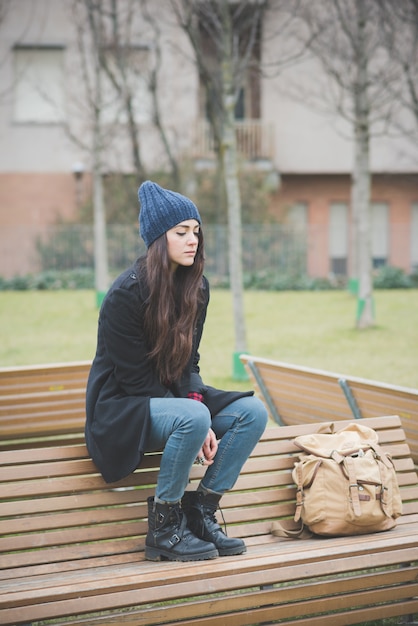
(298, 395)
(72, 547)
(42, 402)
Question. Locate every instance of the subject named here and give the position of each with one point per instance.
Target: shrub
(80, 278)
(389, 277)
(273, 280)
(414, 278)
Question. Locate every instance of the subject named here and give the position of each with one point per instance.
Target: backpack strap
(353, 486)
(382, 456)
(386, 465)
(299, 493)
(290, 530)
(384, 492)
(295, 528)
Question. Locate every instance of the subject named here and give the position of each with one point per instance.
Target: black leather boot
(170, 539)
(200, 509)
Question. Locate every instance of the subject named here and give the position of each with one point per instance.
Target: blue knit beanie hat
(161, 209)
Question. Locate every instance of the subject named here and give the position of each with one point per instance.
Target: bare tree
(90, 36)
(130, 58)
(125, 61)
(153, 21)
(399, 34)
(117, 58)
(343, 35)
(224, 36)
(119, 61)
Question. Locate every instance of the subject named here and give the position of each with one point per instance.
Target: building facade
(46, 138)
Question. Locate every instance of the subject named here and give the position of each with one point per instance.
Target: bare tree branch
(153, 22)
(224, 36)
(398, 28)
(344, 37)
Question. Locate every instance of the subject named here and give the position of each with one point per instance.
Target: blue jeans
(179, 426)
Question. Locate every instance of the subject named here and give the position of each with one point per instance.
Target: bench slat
(42, 401)
(333, 587)
(309, 560)
(243, 603)
(261, 571)
(266, 615)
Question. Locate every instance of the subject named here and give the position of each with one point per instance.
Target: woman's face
(182, 243)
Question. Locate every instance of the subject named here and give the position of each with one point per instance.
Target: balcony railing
(255, 140)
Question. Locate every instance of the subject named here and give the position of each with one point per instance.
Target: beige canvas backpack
(346, 484)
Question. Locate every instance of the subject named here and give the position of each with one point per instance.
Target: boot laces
(211, 513)
(177, 516)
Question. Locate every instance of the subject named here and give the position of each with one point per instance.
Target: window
(379, 233)
(295, 246)
(39, 84)
(338, 238)
(414, 236)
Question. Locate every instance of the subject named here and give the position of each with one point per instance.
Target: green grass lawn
(307, 328)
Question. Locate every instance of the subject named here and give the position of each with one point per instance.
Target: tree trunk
(230, 172)
(361, 180)
(223, 80)
(362, 228)
(99, 228)
(100, 240)
(233, 196)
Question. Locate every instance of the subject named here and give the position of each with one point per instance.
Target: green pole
(361, 303)
(238, 368)
(353, 286)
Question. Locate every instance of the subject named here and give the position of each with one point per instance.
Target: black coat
(122, 380)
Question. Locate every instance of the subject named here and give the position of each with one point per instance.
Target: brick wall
(29, 203)
(319, 191)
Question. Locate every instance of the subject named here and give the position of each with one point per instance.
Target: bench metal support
(350, 398)
(273, 411)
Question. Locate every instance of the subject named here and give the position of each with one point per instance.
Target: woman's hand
(209, 449)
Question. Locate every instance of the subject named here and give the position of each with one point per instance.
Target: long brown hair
(173, 305)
